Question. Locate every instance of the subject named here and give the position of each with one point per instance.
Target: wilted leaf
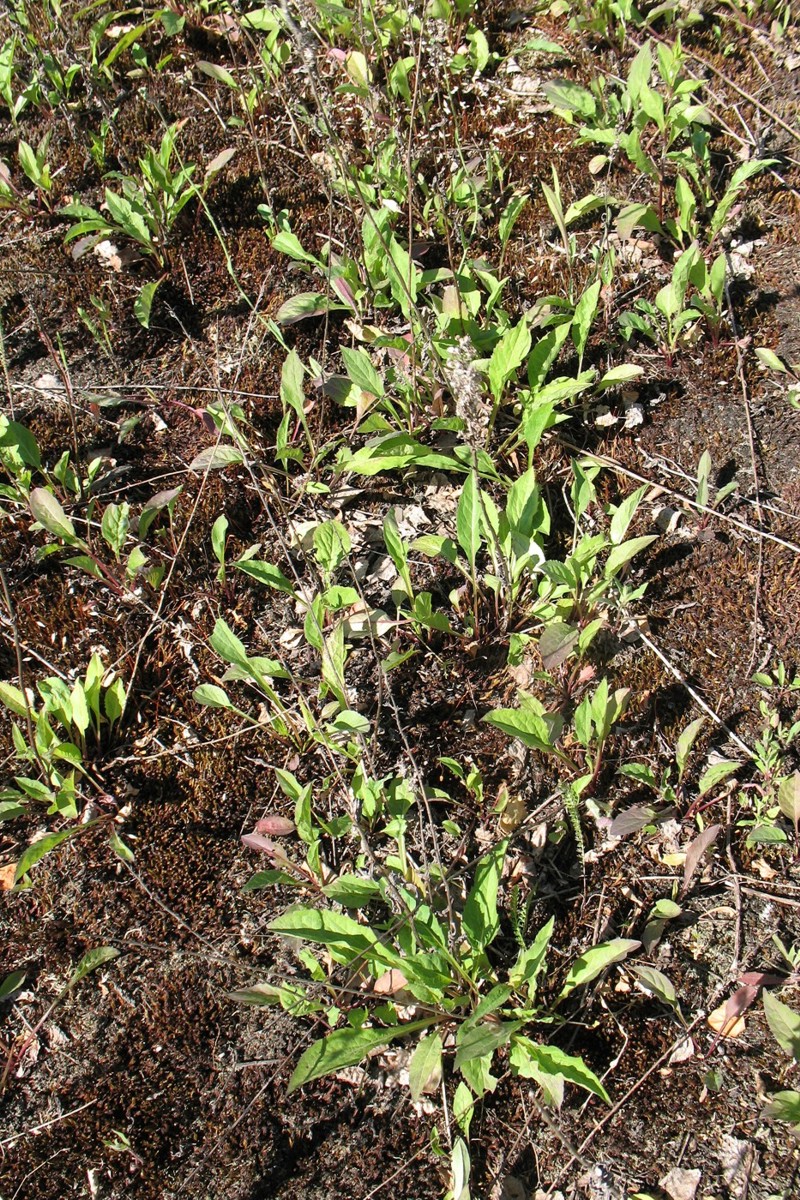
(695, 853)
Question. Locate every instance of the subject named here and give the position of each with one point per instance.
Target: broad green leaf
(624, 514)
(785, 1106)
(623, 553)
(14, 699)
(342, 1048)
(510, 216)
(463, 1107)
(595, 960)
(715, 774)
(508, 355)
(624, 373)
(143, 304)
(352, 891)
(479, 1040)
(480, 921)
(657, 983)
(553, 1061)
(585, 311)
(468, 519)
(685, 742)
(91, 961)
(425, 1067)
(288, 243)
(341, 933)
(114, 526)
(361, 372)
(331, 545)
(784, 1023)
(227, 645)
(530, 728)
(19, 438)
(50, 515)
(211, 696)
(303, 306)
(789, 797)
(460, 1169)
(216, 458)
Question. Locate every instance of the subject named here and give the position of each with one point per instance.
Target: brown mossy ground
(151, 1049)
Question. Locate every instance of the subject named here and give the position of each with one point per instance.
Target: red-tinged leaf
(344, 291)
(256, 841)
(632, 820)
(696, 851)
(761, 979)
(276, 826)
(740, 1001)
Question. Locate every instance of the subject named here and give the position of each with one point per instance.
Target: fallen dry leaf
(681, 1183)
(7, 874)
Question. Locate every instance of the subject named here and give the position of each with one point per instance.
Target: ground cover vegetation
(399, 599)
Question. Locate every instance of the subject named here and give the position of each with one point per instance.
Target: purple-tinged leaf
(696, 851)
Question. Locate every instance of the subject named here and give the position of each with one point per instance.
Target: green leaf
(114, 526)
(215, 458)
(342, 1048)
(622, 554)
(426, 1065)
(508, 355)
(585, 311)
(552, 1061)
(11, 984)
(460, 1170)
(331, 545)
(227, 645)
(789, 797)
(463, 1107)
(715, 774)
(211, 696)
(288, 243)
(480, 921)
(352, 891)
(770, 359)
(143, 304)
(303, 306)
(214, 71)
(38, 849)
(624, 373)
(530, 962)
(657, 983)
(91, 961)
(685, 742)
(361, 372)
(785, 1106)
(595, 960)
(345, 937)
(475, 1041)
(266, 573)
(784, 1023)
(522, 723)
(510, 216)
(17, 437)
(50, 515)
(624, 514)
(468, 519)
(14, 699)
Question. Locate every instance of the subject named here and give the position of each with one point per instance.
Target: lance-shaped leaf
(594, 961)
(50, 515)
